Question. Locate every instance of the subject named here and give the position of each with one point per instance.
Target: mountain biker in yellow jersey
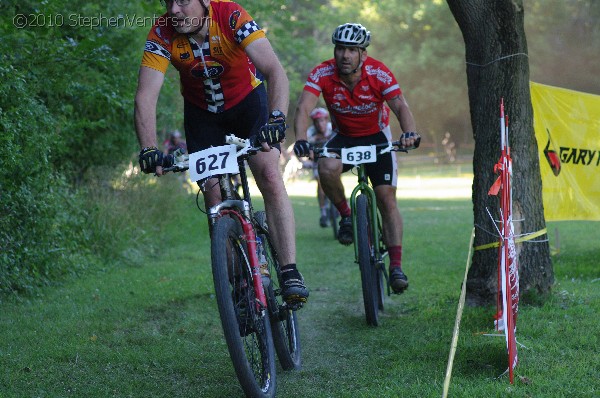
(222, 57)
(356, 88)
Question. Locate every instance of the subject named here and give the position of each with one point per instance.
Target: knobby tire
(247, 331)
(368, 272)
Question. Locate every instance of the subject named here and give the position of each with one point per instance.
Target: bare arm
(149, 83)
(399, 106)
(306, 103)
(262, 55)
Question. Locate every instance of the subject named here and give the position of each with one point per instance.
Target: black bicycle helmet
(351, 35)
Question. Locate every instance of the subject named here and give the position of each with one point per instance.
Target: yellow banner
(567, 128)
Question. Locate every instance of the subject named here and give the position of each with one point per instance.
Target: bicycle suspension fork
(242, 211)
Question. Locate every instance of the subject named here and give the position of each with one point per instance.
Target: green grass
(151, 328)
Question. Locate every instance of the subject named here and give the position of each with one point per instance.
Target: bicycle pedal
(295, 299)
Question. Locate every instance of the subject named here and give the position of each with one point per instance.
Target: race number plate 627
(359, 154)
(213, 161)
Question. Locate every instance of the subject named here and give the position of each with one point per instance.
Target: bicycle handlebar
(179, 161)
(395, 146)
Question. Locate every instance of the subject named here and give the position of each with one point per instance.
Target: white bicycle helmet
(318, 113)
(351, 35)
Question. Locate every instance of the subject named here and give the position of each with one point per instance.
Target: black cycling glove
(412, 134)
(302, 148)
(149, 158)
(274, 131)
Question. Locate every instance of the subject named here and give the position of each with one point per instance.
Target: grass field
(151, 329)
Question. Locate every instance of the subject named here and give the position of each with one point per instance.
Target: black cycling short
(204, 129)
(382, 172)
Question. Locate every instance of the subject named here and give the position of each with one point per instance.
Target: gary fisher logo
(570, 155)
(552, 157)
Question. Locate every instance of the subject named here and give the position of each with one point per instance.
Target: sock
(290, 271)
(289, 267)
(323, 211)
(343, 208)
(395, 253)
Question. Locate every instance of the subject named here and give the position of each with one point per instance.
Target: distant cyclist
(318, 133)
(174, 142)
(356, 88)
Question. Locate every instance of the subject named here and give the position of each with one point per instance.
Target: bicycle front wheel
(245, 326)
(366, 250)
(284, 322)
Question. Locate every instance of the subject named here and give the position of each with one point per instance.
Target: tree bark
(498, 67)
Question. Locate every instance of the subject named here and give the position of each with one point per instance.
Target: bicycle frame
(256, 326)
(242, 210)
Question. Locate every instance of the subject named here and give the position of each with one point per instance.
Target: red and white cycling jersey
(359, 112)
(217, 74)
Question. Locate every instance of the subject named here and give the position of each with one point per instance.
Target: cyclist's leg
(248, 117)
(390, 215)
(280, 218)
(280, 215)
(392, 225)
(383, 176)
(330, 175)
(321, 199)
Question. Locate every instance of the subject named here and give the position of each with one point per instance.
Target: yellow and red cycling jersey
(217, 74)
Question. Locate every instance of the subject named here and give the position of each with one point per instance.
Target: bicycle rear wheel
(246, 328)
(284, 322)
(382, 276)
(368, 272)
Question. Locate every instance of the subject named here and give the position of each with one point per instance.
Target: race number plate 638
(359, 154)
(213, 161)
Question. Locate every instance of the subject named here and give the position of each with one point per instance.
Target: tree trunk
(498, 67)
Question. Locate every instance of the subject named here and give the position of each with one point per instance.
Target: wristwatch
(276, 114)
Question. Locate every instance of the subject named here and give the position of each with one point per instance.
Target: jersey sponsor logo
(233, 19)
(339, 97)
(321, 72)
(365, 97)
(380, 74)
(212, 68)
(362, 109)
(155, 48)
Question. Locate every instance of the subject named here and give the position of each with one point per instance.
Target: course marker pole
(461, 306)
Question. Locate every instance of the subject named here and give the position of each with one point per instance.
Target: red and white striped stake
(508, 274)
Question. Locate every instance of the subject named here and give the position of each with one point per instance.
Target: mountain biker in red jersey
(222, 56)
(174, 142)
(356, 88)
